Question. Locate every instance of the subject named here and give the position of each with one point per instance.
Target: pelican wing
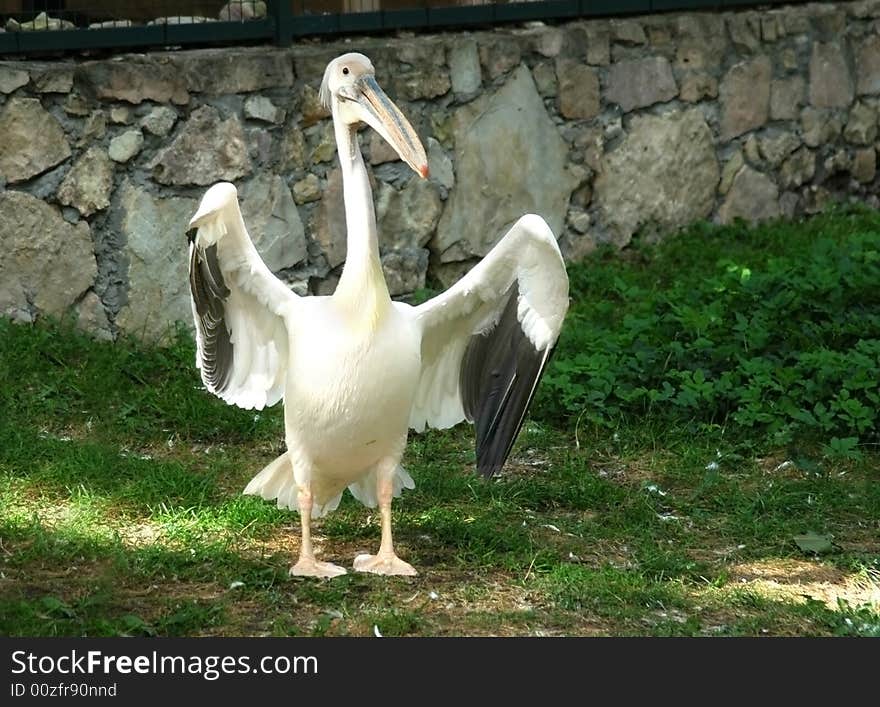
(487, 340)
(241, 310)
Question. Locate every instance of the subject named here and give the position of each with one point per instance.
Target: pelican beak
(386, 119)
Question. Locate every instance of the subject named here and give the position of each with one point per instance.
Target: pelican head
(350, 91)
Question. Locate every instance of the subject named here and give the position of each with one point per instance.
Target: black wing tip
(209, 293)
(501, 370)
(191, 235)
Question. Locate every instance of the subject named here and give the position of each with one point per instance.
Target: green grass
(121, 513)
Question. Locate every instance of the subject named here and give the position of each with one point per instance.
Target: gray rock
(233, 70)
(306, 190)
(124, 147)
(88, 184)
(745, 97)
(745, 31)
(135, 80)
(94, 128)
(640, 83)
(830, 82)
(752, 197)
(75, 104)
(261, 108)
(592, 142)
(311, 108)
(33, 141)
(752, 151)
(579, 220)
(273, 221)
(796, 21)
(92, 317)
(46, 264)
(447, 274)
(829, 23)
(861, 127)
(120, 115)
(771, 29)
(819, 126)
(492, 188)
(730, 170)
(12, 79)
(864, 165)
(158, 292)
(663, 173)
(549, 41)
(577, 247)
(786, 98)
(464, 68)
(421, 83)
(627, 32)
(578, 92)
(798, 169)
(839, 161)
(324, 149)
(292, 154)
(775, 148)
(545, 78)
(380, 151)
(499, 54)
(325, 286)
(206, 150)
(439, 165)
(697, 85)
(159, 121)
(598, 43)
(55, 78)
(695, 56)
(868, 66)
(405, 270)
(864, 8)
(329, 230)
(407, 218)
(788, 205)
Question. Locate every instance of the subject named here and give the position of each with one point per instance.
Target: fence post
(283, 16)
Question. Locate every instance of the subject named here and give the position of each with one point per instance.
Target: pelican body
(357, 370)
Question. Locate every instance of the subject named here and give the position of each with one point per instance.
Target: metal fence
(41, 26)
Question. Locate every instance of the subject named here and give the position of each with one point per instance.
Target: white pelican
(356, 370)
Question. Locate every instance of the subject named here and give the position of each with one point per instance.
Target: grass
(121, 513)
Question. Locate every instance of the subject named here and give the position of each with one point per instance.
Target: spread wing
(241, 310)
(487, 340)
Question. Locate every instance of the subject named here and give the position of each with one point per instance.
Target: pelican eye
(345, 70)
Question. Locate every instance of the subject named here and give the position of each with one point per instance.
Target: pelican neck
(362, 283)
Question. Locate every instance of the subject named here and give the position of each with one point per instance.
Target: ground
(628, 506)
(156, 540)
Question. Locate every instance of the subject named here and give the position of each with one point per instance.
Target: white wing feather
(528, 256)
(256, 311)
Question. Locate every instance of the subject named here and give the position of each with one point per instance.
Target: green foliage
(774, 329)
(150, 393)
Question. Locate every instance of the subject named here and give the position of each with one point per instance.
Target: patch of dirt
(635, 472)
(799, 580)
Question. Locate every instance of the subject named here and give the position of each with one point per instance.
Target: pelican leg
(307, 565)
(385, 561)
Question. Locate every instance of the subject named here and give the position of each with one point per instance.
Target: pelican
(357, 370)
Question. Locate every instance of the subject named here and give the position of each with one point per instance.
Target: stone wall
(609, 128)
